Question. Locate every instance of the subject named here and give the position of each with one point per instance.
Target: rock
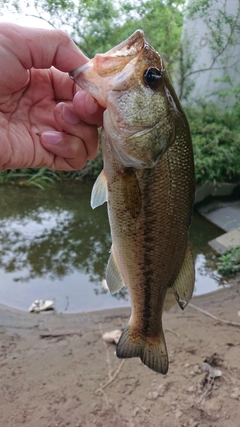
(178, 413)
(235, 394)
(191, 389)
(152, 395)
(161, 390)
(197, 369)
(135, 411)
(112, 337)
(213, 404)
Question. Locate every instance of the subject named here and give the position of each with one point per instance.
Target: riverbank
(72, 378)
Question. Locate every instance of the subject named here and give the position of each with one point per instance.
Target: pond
(54, 246)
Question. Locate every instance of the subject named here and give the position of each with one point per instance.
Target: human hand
(44, 122)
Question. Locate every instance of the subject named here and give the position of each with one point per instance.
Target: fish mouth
(104, 71)
(85, 78)
(130, 46)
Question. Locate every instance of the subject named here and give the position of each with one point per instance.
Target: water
(54, 246)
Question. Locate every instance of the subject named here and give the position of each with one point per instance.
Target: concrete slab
(228, 240)
(214, 189)
(227, 218)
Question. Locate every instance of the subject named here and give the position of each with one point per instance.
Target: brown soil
(76, 380)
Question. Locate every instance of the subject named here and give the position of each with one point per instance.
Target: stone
(178, 413)
(235, 394)
(228, 240)
(213, 404)
(152, 395)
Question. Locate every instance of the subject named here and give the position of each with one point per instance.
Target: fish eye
(152, 77)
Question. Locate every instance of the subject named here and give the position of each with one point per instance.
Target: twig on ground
(104, 394)
(107, 354)
(206, 393)
(172, 331)
(113, 377)
(227, 322)
(60, 334)
(110, 375)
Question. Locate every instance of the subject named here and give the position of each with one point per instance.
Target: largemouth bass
(148, 183)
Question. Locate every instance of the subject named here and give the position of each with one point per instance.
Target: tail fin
(152, 354)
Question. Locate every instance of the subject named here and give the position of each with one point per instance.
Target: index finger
(42, 48)
(23, 48)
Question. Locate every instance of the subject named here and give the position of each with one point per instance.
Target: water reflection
(52, 234)
(53, 245)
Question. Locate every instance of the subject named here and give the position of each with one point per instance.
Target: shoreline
(56, 370)
(171, 306)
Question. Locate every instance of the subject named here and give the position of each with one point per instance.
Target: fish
(148, 184)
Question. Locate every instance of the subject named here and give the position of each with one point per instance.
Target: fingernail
(91, 104)
(51, 137)
(69, 115)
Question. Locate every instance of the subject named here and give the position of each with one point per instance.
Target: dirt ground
(73, 378)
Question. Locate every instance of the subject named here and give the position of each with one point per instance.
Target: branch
(224, 47)
(227, 322)
(40, 17)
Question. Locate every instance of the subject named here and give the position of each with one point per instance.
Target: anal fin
(113, 276)
(184, 284)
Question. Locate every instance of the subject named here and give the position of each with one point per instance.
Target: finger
(87, 108)
(70, 122)
(63, 87)
(69, 152)
(41, 48)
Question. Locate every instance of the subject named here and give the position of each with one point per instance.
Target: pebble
(178, 413)
(197, 369)
(235, 394)
(161, 390)
(152, 395)
(135, 411)
(191, 389)
(213, 404)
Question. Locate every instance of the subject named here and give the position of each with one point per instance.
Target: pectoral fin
(184, 284)
(131, 191)
(99, 191)
(113, 276)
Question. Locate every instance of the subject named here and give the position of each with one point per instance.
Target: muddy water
(53, 246)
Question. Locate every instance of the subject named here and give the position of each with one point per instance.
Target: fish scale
(148, 183)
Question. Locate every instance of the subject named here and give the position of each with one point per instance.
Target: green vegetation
(40, 178)
(216, 143)
(98, 25)
(229, 264)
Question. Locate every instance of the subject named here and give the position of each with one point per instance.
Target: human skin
(45, 121)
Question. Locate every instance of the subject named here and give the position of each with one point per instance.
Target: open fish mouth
(103, 75)
(111, 70)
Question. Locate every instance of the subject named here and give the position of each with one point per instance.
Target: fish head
(142, 109)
